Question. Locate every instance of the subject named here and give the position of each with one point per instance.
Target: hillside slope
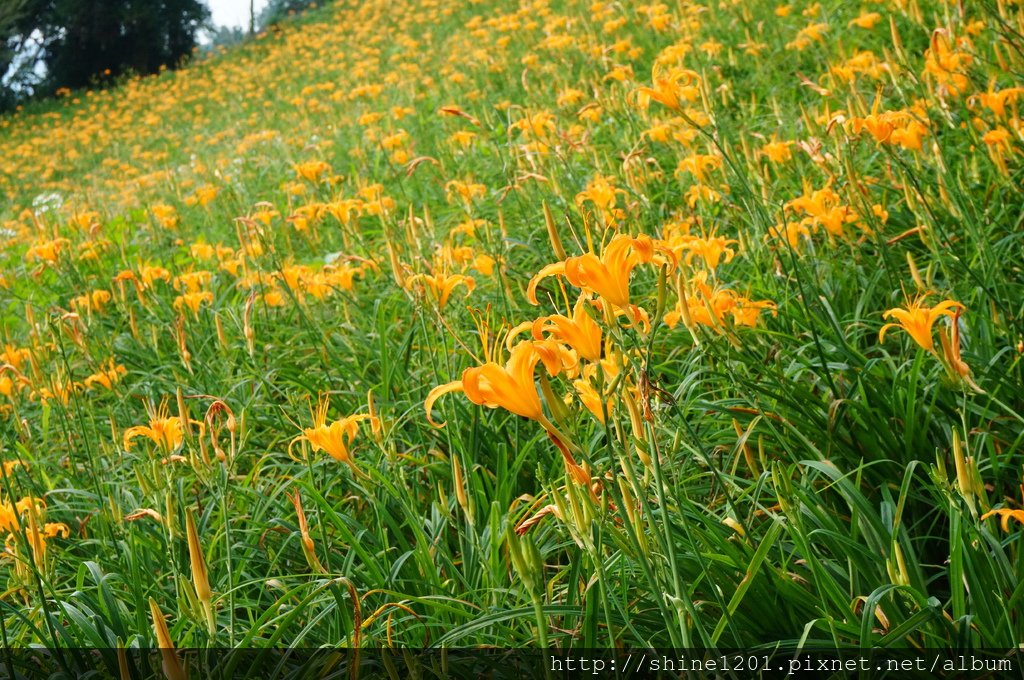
(555, 322)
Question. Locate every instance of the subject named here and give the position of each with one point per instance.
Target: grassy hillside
(557, 322)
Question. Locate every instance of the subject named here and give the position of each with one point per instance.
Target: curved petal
(454, 386)
(291, 446)
(415, 279)
(900, 315)
(550, 353)
(137, 431)
(518, 330)
(885, 329)
(945, 308)
(449, 285)
(550, 270)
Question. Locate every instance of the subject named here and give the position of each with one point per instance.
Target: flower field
(545, 323)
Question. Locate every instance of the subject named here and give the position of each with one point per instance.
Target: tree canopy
(49, 44)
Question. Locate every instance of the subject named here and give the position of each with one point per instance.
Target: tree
(12, 19)
(277, 10)
(224, 36)
(80, 42)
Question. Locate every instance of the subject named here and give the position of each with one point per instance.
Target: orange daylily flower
(1005, 515)
(164, 430)
(193, 301)
(711, 249)
(866, 20)
(918, 319)
(334, 438)
(47, 251)
(579, 331)
(108, 374)
(699, 165)
(671, 88)
(608, 275)
(312, 171)
(510, 386)
(441, 285)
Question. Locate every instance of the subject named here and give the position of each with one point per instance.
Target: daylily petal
(437, 392)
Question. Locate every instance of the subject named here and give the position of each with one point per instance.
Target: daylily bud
(132, 324)
(200, 578)
(247, 330)
(897, 42)
(748, 455)
(221, 337)
(964, 478)
(559, 411)
(308, 547)
(183, 412)
(659, 309)
(636, 421)
(460, 488)
(515, 553)
(170, 665)
(396, 266)
(122, 662)
(914, 273)
(897, 566)
(556, 240)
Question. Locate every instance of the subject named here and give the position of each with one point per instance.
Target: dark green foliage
(73, 43)
(278, 10)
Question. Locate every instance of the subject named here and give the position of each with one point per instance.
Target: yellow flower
(1005, 515)
(334, 438)
(588, 392)
(193, 301)
(671, 89)
(776, 151)
(608, 275)
(47, 251)
(163, 430)
(92, 301)
(510, 387)
(792, 232)
(579, 331)
(462, 138)
(995, 101)
(747, 312)
(601, 192)
(465, 191)
(192, 282)
(165, 215)
(274, 298)
(28, 514)
(866, 20)
(917, 320)
(440, 285)
(204, 195)
(535, 126)
(15, 356)
(947, 63)
(699, 165)
(710, 249)
(148, 274)
(311, 171)
(108, 375)
(9, 521)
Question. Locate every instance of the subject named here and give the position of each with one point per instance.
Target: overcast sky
(232, 12)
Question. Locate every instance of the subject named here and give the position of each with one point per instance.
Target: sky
(232, 12)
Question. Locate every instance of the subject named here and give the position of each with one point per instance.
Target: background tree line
(50, 44)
